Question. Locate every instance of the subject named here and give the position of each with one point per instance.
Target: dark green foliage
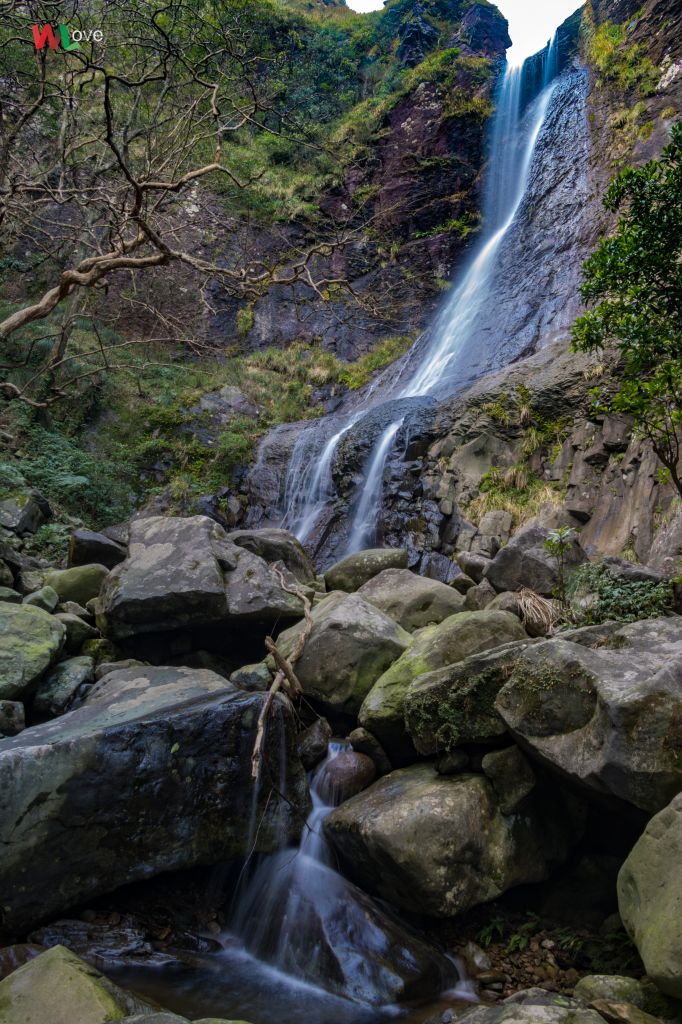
(617, 599)
(633, 284)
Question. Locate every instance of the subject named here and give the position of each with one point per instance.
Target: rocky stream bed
(499, 818)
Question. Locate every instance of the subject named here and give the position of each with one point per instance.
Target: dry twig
(285, 678)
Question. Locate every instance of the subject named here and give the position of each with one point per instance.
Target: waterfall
(367, 512)
(510, 164)
(434, 364)
(296, 913)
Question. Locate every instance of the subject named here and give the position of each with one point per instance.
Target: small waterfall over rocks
(295, 912)
(335, 503)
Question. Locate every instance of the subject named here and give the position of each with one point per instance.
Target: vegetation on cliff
(633, 281)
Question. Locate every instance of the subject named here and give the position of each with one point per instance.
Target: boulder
(411, 601)
(23, 511)
(351, 644)
(363, 741)
(60, 687)
(254, 678)
(6, 576)
(535, 1006)
(30, 641)
(59, 988)
(473, 566)
(612, 987)
(12, 718)
(512, 777)
(438, 845)
(151, 774)
(79, 584)
(603, 705)
(9, 596)
(463, 583)
(352, 571)
(45, 598)
(457, 637)
(650, 898)
(186, 574)
(344, 775)
(479, 597)
(456, 704)
(87, 547)
(77, 631)
(523, 562)
(277, 546)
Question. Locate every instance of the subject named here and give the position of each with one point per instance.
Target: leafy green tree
(633, 288)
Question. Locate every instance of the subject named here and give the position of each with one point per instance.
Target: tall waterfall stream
(454, 350)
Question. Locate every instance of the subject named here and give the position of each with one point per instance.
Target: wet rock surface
(151, 774)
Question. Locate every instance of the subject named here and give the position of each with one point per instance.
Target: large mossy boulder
(352, 571)
(59, 988)
(151, 774)
(439, 845)
(410, 600)
(79, 584)
(453, 640)
(351, 644)
(30, 642)
(650, 898)
(603, 705)
(456, 704)
(524, 562)
(186, 574)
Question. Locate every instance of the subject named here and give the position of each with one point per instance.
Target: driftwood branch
(285, 677)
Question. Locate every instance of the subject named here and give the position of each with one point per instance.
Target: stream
(305, 944)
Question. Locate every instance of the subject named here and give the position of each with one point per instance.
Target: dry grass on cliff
(521, 494)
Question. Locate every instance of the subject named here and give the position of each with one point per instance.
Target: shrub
(616, 599)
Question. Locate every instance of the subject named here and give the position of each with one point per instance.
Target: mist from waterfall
(432, 365)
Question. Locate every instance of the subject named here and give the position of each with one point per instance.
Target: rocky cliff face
(410, 160)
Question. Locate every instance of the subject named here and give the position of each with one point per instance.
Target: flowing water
(304, 944)
(434, 365)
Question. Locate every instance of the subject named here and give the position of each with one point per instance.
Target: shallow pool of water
(234, 985)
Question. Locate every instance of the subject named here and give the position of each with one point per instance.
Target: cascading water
(298, 914)
(432, 367)
(367, 511)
